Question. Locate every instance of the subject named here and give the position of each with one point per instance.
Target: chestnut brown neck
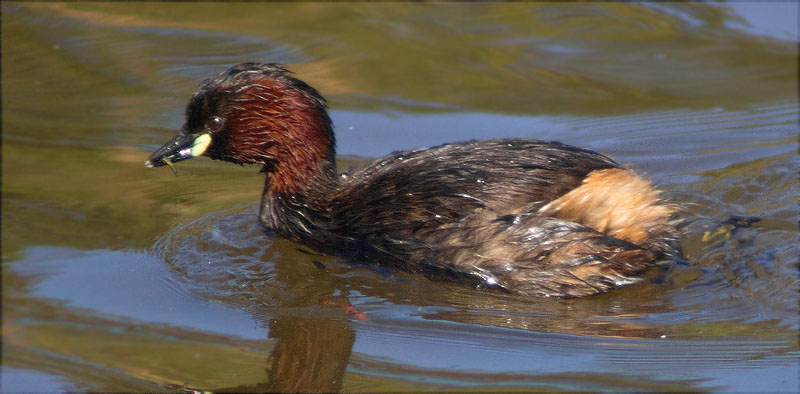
(285, 128)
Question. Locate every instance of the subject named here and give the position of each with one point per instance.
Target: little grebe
(526, 216)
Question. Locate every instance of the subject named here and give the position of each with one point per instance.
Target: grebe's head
(255, 113)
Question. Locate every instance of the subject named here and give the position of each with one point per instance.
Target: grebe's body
(527, 216)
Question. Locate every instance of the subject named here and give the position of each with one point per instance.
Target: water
(122, 278)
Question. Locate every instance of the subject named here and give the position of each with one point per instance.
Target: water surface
(122, 278)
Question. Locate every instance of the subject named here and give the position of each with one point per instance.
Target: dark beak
(183, 146)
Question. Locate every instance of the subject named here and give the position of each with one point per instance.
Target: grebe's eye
(215, 124)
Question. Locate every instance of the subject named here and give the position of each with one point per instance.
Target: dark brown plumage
(527, 216)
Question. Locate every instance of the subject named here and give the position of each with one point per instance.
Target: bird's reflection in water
(303, 299)
(310, 355)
